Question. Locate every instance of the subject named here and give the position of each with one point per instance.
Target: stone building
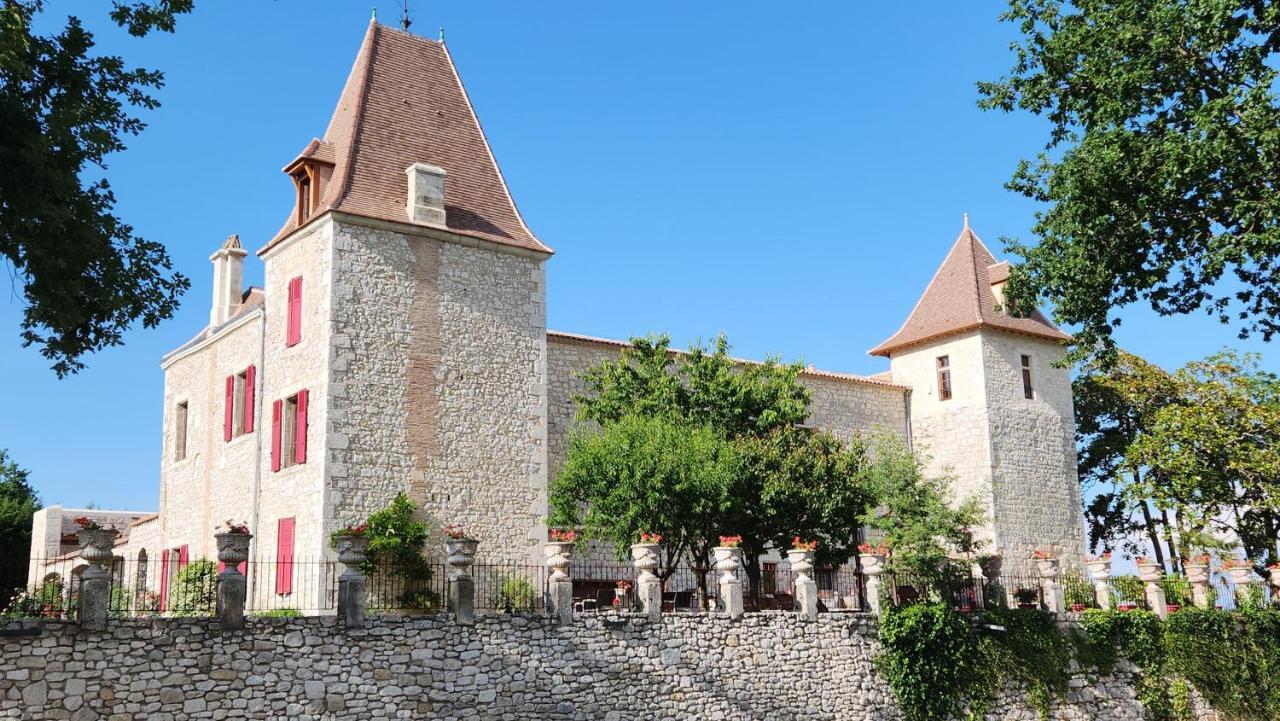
(400, 344)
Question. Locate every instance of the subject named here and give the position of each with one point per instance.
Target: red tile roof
(404, 103)
(960, 298)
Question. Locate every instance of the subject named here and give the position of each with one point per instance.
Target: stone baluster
(1100, 572)
(95, 584)
(872, 568)
(1197, 570)
(233, 550)
(648, 587)
(728, 561)
(559, 584)
(353, 551)
(462, 586)
(806, 589)
(1049, 571)
(1151, 573)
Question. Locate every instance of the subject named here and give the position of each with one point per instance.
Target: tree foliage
(18, 501)
(86, 277)
(1159, 169)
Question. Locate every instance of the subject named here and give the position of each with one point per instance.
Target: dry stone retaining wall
(765, 666)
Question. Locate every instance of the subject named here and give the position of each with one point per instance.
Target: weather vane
(405, 22)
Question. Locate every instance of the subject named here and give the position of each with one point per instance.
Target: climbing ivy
(928, 658)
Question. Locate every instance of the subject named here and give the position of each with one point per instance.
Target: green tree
(86, 277)
(916, 515)
(1159, 168)
(18, 501)
(694, 445)
(1218, 452)
(397, 543)
(1115, 403)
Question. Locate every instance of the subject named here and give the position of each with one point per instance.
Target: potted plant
(644, 555)
(1026, 597)
(461, 549)
(1148, 570)
(622, 594)
(352, 545)
(1046, 563)
(801, 556)
(991, 564)
(232, 539)
(96, 541)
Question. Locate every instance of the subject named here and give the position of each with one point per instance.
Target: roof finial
(374, 19)
(405, 22)
(442, 35)
(966, 221)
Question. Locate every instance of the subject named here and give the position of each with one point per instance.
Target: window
(237, 417)
(944, 378)
(1027, 390)
(180, 431)
(284, 555)
(289, 431)
(293, 322)
(304, 179)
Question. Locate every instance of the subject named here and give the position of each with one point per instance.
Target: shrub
(277, 613)
(928, 659)
(48, 600)
(194, 590)
(515, 595)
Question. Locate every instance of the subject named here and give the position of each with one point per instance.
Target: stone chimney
(426, 194)
(228, 279)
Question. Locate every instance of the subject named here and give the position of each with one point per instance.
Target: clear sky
(788, 173)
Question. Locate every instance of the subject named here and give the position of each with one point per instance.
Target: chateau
(400, 344)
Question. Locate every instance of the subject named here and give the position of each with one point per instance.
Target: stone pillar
(728, 561)
(1245, 580)
(648, 587)
(559, 585)
(95, 584)
(233, 550)
(353, 551)
(1100, 572)
(1049, 571)
(1150, 573)
(462, 587)
(1197, 570)
(872, 567)
(806, 589)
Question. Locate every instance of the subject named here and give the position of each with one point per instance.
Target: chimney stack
(228, 279)
(426, 194)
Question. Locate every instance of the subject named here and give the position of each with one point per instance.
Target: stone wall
(767, 666)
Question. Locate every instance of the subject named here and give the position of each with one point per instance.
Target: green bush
(1128, 589)
(1077, 590)
(194, 590)
(48, 600)
(1177, 590)
(928, 658)
(515, 595)
(277, 613)
(396, 548)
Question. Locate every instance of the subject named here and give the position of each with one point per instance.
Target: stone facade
(768, 666)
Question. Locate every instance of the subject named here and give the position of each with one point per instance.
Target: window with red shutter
(300, 447)
(250, 378)
(276, 409)
(164, 578)
(293, 327)
(227, 415)
(182, 557)
(284, 555)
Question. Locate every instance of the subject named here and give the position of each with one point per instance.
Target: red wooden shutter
(164, 578)
(230, 403)
(276, 409)
(182, 557)
(293, 331)
(250, 377)
(300, 445)
(284, 556)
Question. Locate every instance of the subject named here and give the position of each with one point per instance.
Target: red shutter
(182, 557)
(275, 434)
(230, 403)
(164, 578)
(300, 455)
(221, 566)
(284, 556)
(293, 331)
(250, 377)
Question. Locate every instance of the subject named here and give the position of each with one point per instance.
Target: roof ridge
(348, 166)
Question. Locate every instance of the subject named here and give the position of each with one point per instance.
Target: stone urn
(728, 559)
(1197, 571)
(1241, 573)
(1047, 568)
(872, 563)
(990, 566)
(558, 554)
(1099, 569)
(352, 551)
(1150, 571)
(801, 562)
(461, 555)
(645, 558)
(96, 546)
(233, 550)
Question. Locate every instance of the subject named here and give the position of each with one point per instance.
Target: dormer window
(310, 172)
(305, 180)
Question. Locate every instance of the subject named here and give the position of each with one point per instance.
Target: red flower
(730, 541)
(1042, 555)
(455, 531)
(799, 545)
(559, 535)
(646, 537)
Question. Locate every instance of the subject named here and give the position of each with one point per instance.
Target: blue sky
(789, 174)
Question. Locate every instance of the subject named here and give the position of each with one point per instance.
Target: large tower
(989, 405)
